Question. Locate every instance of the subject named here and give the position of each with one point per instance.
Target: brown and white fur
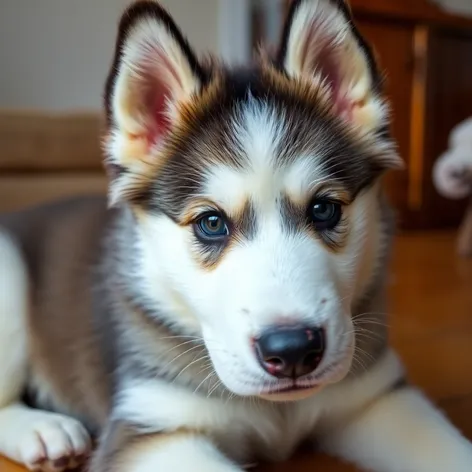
(119, 322)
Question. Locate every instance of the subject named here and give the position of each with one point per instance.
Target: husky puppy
(226, 304)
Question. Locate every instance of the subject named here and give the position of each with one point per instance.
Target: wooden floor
(431, 326)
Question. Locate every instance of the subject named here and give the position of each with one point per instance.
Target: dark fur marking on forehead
(307, 122)
(208, 139)
(246, 223)
(293, 215)
(304, 122)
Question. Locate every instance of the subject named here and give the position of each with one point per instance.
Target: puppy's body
(84, 313)
(247, 208)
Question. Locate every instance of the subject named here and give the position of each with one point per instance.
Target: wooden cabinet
(427, 58)
(426, 55)
(449, 101)
(393, 46)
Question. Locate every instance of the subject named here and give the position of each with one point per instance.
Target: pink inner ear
(160, 80)
(324, 61)
(162, 124)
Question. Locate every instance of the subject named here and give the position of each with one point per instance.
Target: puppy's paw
(54, 443)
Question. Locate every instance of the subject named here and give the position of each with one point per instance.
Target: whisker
(365, 353)
(190, 364)
(180, 355)
(204, 368)
(368, 333)
(218, 383)
(180, 345)
(181, 337)
(358, 362)
(208, 377)
(364, 319)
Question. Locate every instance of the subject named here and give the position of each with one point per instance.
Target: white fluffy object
(452, 173)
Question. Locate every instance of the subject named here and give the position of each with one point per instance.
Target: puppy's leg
(37, 439)
(14, 299)
(401, 431)
(125, 449)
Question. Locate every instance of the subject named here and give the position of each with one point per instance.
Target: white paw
(53, 443)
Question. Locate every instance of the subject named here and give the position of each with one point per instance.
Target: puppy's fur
(124, 322)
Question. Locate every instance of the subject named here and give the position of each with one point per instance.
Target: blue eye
(324, 214)
(212, 226)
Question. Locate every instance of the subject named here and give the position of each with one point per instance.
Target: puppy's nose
(290, 351)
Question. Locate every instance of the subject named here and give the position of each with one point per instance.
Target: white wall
(55, 54)
(463, 7)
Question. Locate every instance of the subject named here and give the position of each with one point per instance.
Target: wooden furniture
(431, 327)
(464, 240)
(426, 54)
(44, 156)
(427, 58)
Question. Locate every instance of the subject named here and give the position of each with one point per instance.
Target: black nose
(289, 351)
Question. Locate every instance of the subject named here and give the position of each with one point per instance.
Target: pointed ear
(154, 71)
(320, 44)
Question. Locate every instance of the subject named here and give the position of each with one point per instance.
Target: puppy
(227, 302)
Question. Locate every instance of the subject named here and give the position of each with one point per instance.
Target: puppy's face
(255, 192)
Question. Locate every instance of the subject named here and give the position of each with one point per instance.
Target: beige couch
(44, 156)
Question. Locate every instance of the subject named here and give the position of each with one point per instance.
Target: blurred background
(54, 57)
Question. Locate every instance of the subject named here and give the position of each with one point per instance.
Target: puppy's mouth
(289, 389)
(298, 389)
(290, 393)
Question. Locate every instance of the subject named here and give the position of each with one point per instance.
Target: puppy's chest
(268, 433)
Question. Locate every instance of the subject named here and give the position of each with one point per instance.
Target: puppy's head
(254, 190)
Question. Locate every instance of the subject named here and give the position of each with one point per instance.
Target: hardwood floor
(431, 327)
